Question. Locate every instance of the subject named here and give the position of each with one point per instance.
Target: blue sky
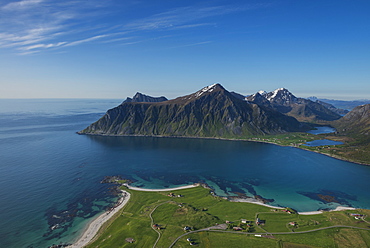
(114, 48)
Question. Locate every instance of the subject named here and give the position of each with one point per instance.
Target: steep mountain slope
(331, 107)
(209, 112)
(138, 97)
(302, 109)
(357, 121)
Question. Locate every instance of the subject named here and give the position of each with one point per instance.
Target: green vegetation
(355, 148)
(197, 209)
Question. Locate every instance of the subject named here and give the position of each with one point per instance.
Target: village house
(258, 221)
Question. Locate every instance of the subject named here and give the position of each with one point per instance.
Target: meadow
(160, 219)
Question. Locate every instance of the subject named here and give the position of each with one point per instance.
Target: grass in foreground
(199, 209)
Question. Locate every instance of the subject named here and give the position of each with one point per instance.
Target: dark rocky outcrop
(139, 97)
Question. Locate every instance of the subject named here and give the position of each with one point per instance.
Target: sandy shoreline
(93, 228)
(96, 224)
(254, 201)
(339, 208)
(156, 190)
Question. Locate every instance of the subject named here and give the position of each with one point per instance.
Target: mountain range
(210, 112)
(340, 104)
(302, 109)
(215, 112)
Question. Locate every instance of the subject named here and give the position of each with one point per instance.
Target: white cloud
(181, 17)
(78, 42)
(21, 5)
(41, 24)
(43, 46)
(193, 44)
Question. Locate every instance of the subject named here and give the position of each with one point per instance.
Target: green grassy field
(198, 209)
(355, 148)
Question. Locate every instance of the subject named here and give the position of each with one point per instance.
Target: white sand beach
(96, 224)
(167, 189)
(254, 201)
(339, 208)
(310, 212)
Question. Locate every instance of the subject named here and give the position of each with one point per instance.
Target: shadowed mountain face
(138, 97)
(357, 121)
(209, 112)
(333, 108)
(301, 109)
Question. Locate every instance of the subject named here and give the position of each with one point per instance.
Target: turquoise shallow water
(51, 176)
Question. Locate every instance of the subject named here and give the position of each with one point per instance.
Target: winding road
(269, 233)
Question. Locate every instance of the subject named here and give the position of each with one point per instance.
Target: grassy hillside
(199, 209)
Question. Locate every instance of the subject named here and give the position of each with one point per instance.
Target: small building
(258, 221)
(187, 228)
(188, 239)
(244, 221)
(130, 240)
(237, 228)
(292, 223)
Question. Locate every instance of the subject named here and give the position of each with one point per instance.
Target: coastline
(339, 208)
(254, 201)
(166, 189)
(230, 139)
(94, 226)
(92, 229)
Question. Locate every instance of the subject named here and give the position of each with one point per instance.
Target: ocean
(50, 176)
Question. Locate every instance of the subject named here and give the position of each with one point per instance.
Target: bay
(51, 176)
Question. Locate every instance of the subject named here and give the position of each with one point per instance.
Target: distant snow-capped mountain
(302, 109)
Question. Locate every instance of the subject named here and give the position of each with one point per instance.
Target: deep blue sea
(50, 176)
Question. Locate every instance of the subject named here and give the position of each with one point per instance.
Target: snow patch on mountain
(209, 88)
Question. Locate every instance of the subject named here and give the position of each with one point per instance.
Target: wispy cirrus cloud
(14, 6)
(78, 42)
(177, 17)
(193, 44)
(37, 46)
(31, 26)
(187, 17)
(44, 24)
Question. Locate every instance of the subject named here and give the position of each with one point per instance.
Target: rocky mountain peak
(209, 89)
(281, 95)
(139, 97)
